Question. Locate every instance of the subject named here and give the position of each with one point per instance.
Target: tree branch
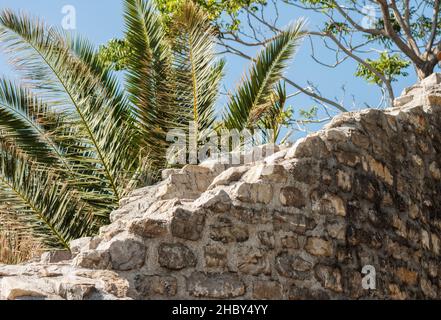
(434, 27)
(394, 36)
(385, 81)
(290, 82)
(405, 27)
(374, 32)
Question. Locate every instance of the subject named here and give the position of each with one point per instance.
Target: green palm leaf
(26, 119)
(34, 198)
(149, 79)
(75, 84)
(197, 72)
(256, 89)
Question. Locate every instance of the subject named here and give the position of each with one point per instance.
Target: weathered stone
(292, 197)
(148, 227)
(26, 288)
(217, 201)
(395, 292)
(348, 158)
(429, 290)
(149, 286)
(79, 291)
(290, 241)
(267, 290)
(298, 293)
(253, 261)
(215, 285)
(330, 204)
(407, 276)
(344, 180)
(360, 140)
(311, 146)
(187, 225)
(267, 239)
(55, 256)
(291, 266)
(259, 192)
(425, 240)
(126, 252)
(319, 247)
(436, 243)
(175, 256)
(228, 176)
(224, 230)
(329, 277)
(215, 256)
(274, 173)
(296, 169)
(435, 171)
(337, 229)
(80, 244)
(380, 170)
(93, 259)
(299, 224)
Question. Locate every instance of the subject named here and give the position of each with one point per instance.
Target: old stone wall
(302, 223)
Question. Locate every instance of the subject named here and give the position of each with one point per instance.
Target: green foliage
(253, 97)
(278, 115)
(197, 71)
(337, 27)
(74, 141)
(385, 41)
(322, 4)
(422, 26)
(214, 8)
(309, 114)
(116, 54)
(390, 66)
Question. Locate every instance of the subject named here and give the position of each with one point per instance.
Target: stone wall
(299, 224)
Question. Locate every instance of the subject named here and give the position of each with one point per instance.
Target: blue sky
(102, 20)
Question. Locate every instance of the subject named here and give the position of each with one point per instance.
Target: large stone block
(187, 224)
(215, 285)
(175, 256)
(226, 231)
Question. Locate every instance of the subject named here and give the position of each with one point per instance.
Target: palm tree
(74, 141)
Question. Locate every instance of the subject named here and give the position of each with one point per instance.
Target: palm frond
(256, 89)
(270, 120)
(149, 79)
(73, 82)
(34, 198)
(24, 118)
(197, 70)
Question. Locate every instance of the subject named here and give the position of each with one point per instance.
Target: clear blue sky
(101, 20)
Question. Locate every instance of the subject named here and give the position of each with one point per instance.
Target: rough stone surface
(175, 256)
(300, 223)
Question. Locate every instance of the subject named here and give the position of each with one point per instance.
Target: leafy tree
(407, 30)
(74, 141)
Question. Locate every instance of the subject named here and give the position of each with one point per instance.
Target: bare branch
(385, 81)
(375, 32)
(290, 82)
(405, 27)
(394, 36)
(434, 28)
